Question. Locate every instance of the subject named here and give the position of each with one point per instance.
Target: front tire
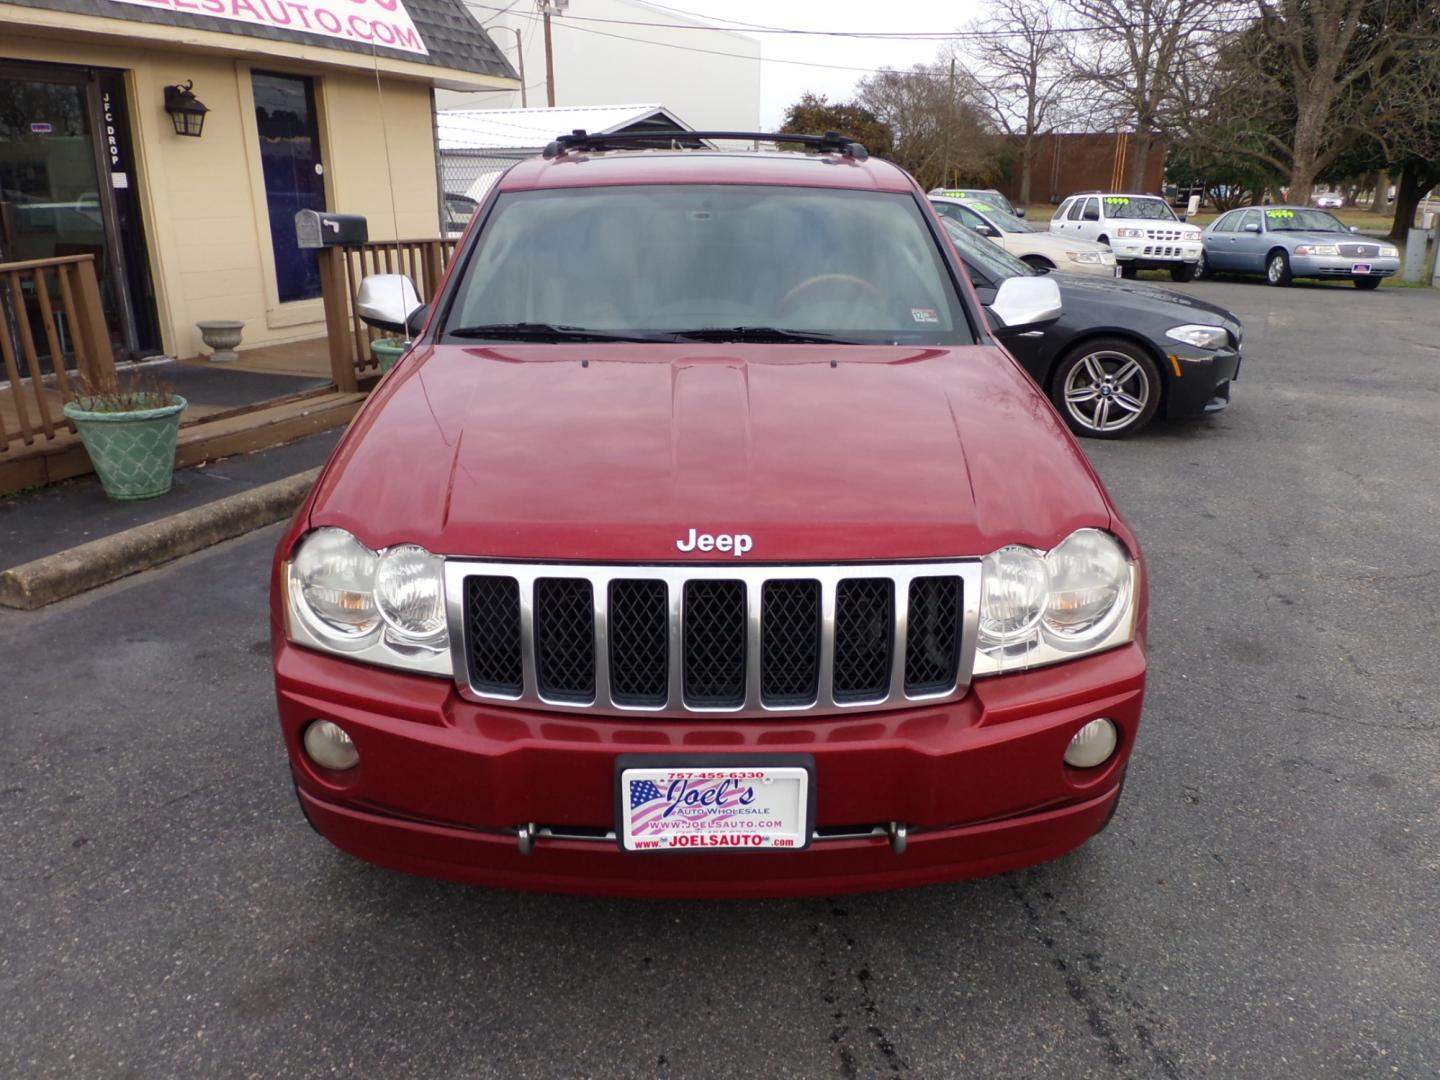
(1201, 269)
(1368, 283)
(1183, 272)
(1038, 262)
(1277, 268)
(1129, 271)
(1107, 388)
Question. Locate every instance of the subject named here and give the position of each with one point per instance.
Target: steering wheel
(820, 281)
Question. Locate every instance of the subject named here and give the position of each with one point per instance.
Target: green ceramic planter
(387, 350)
(133, 452)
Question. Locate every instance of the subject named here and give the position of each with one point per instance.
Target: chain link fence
(466, 176)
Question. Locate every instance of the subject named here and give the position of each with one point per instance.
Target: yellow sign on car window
(1280, 213)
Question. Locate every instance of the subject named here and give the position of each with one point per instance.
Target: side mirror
(389, 302)
(1355, 228)
(1250, 226)
(1024, 303)
(1019, 211)
(985, 230)
(1182, 217)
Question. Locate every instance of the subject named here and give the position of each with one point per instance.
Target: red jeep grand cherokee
(708, 543)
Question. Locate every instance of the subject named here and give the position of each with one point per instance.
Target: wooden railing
(341, 270)
(50, 316)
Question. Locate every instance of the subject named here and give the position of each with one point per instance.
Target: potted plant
(387, 350)
(129, 431)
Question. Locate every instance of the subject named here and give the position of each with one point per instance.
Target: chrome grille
(1360, 251)
(1163, 234)
(690, 640)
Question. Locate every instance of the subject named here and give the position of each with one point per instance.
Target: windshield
(993, 261)
(1300, 219)
(1123, 206)
(1005, 222)
(721, 262)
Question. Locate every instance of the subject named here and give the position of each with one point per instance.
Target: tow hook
(525, 835)
(897, 831)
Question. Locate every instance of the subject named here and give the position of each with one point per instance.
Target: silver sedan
(1288, 242)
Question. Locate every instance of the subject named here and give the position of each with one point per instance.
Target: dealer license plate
(698, 806)
(1360, 268)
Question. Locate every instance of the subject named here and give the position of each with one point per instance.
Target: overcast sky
(782, 84)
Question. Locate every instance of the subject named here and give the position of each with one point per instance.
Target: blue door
(294, 175)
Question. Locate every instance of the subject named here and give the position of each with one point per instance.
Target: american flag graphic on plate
(725, 808)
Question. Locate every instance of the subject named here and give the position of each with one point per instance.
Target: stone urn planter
(131, 441)
(222, 335)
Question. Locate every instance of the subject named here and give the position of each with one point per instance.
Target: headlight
(1130, 234)
(1389, 251)
(1316, 249)
(1044, 607)
(1091, 258)
(383, 607)
(410, 593)
(334, 579)
(1202, 337)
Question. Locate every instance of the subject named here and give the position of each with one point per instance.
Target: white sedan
(1042, 250)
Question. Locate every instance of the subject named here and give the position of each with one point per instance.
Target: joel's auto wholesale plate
(1360, 268)
(714, 802)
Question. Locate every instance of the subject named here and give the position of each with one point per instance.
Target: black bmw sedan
(1122, 351)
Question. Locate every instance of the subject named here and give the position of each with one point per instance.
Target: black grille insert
(565, 639)
(932, 646)
(864, 633)
(714, 643)
(789, 642)
(492, 625)
(639, 639)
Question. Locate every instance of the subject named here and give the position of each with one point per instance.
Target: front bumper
(1340, 267)
(1155, 254)
(1200, 381)
(444, 785)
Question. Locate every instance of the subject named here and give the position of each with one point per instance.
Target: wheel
(1368, 283)
(1277, 268)
(1038, 262)
(1183, 272)
(1106, 389)
(1201, 269)
(1128, 270)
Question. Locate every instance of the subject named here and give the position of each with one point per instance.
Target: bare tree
(1328, 70)
(941, 130)
(1022, 76)
(1135, 57)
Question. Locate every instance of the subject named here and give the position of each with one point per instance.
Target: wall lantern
(185, 109)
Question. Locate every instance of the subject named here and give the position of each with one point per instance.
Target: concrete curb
(54, 577)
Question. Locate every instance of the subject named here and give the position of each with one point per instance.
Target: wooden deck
(310, 357)
(206, 433)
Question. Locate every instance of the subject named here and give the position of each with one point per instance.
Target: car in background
(1121, 352)
(1330, 201)
(459, 209)
(1039, 249)
(1142, 230)
(1288, 242)
(989, 195)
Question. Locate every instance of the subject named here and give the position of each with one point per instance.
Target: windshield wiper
(538, 331)
(763, 333)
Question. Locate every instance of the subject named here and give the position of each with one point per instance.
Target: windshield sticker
(1280, 213)
(925, 314)
(980, 205)
(1116, 200)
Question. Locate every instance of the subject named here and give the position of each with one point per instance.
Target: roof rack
(580, 139)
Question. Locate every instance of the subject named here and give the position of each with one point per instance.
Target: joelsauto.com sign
(371, 22)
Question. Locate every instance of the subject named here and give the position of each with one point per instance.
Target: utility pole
(547, 8)
(949, 124)
(520, 63)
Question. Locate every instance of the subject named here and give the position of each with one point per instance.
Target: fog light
(329, 746)
(1092, 745)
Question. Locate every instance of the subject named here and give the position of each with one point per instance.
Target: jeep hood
(616, 451)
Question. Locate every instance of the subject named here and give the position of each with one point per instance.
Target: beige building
(322, 104)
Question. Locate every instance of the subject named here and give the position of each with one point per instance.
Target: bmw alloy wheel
(1107, 392)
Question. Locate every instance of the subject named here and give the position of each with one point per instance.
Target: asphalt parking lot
(1266, 904)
